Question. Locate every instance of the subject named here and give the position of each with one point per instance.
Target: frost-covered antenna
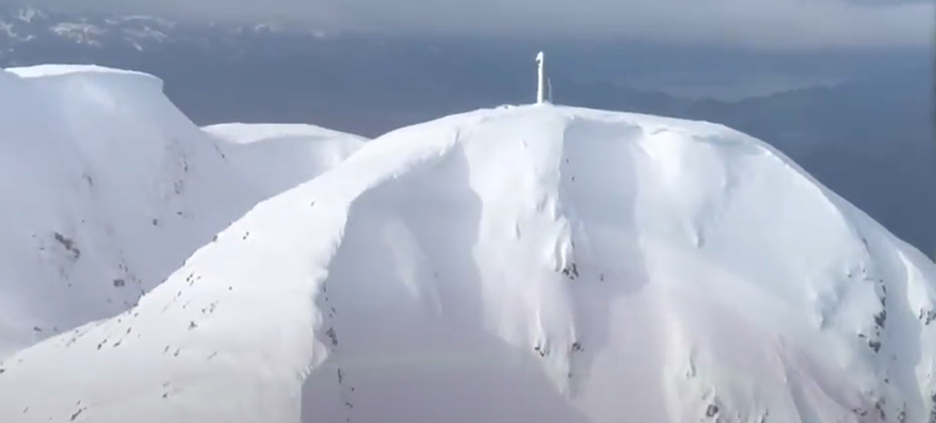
(549, 93)
(540, 95)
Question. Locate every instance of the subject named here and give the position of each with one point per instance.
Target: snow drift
(106, 188)
(277, 157)
(534, 263)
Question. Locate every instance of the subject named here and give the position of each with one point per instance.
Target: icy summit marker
(540, 83)
(549, 92)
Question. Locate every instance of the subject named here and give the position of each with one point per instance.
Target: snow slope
(534, 263)
(300, 152)
(106, 189)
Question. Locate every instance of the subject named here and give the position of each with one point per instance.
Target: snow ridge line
(328, 332)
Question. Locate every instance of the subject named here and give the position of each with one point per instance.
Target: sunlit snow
(107, 188)
(524, 264)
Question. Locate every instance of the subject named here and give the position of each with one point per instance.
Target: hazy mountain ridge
(29, 32)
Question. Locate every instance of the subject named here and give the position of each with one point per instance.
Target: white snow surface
(106, 189)
(39, 71)
(525, 264)
(281, 156)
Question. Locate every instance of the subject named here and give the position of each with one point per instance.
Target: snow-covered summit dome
(537, 263)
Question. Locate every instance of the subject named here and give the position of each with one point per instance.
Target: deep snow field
(531, 263)
(107, 188)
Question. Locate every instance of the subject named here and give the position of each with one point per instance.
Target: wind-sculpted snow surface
(278, 157)
(523, 264)
(106, 189)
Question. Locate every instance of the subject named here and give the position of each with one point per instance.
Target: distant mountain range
(25, 30)
(869, 137)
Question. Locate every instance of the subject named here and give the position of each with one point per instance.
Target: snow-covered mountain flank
(534, 263)
(280, 156)
(107, 188)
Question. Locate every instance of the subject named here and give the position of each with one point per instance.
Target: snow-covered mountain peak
(277, 157)
(86, 71)
(110, 187)
(533, 263)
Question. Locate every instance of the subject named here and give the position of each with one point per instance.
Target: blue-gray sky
(756, 23)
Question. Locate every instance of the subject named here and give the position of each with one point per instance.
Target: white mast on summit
(549, 94)
(541, 81)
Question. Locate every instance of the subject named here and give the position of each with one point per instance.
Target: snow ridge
(534, 263)
(110, 188)
(277, 157)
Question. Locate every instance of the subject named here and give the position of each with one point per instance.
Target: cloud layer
(753, 23)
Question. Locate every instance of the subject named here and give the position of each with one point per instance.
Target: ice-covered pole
(549, 93)
(540, 83)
